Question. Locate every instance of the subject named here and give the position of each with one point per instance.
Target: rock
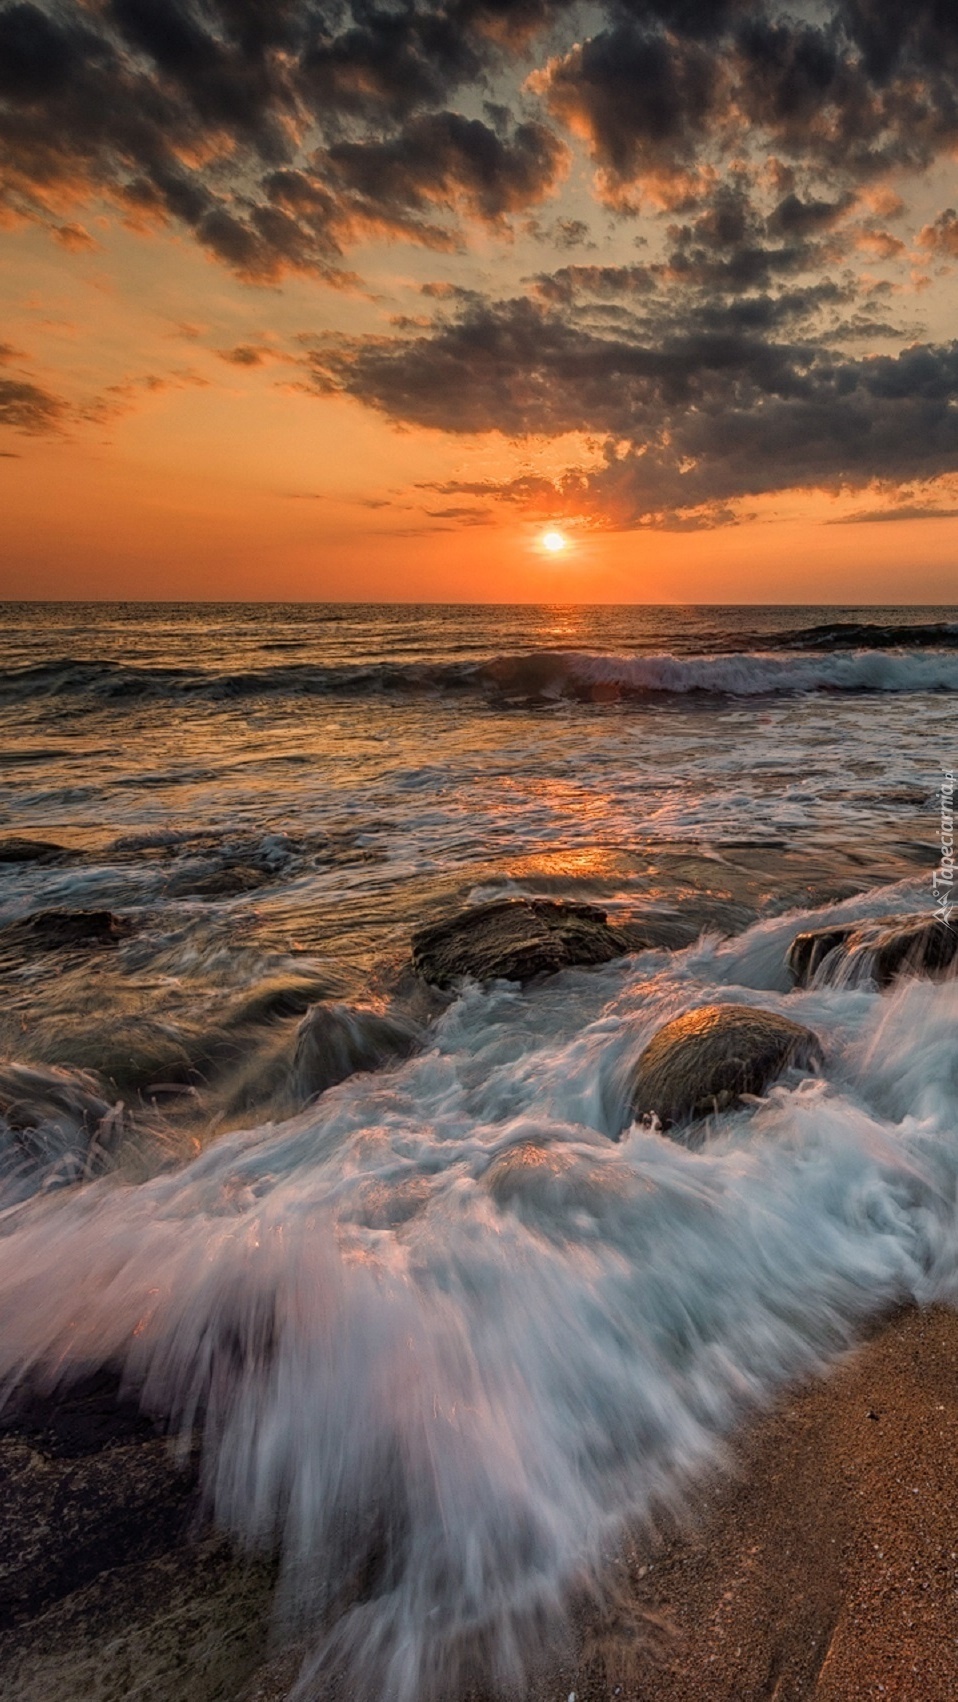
(31, 1096)
(55, 1127)
(515, 939)
(334, 1041)
(227, 882)
(705, 1060)
(874, 950)
(111, 1585)
(15, 850)
(47, 930)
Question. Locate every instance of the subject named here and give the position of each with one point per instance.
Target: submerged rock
(515, 939)
(706, 1060)
(227, 882)
(48, 930)
(874, 950)
(334, 1041)
(16, 850)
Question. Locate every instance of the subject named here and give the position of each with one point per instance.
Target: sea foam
(452, 1330)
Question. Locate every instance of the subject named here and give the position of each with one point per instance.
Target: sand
(827, 1565)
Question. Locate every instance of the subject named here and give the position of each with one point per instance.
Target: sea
(468, 1396)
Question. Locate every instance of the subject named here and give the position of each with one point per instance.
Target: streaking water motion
(446, 1335)
(448, 1326)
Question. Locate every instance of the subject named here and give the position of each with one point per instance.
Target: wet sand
(826, 1566)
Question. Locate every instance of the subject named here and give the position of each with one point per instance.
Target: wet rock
(109, 1586)
(227, 882)
(67, 1099)
(334, 1041)
(544, 1180)
(56, 1127)
(874, 950)
(516, 939)
(49, 930)
(15, 850)
(704, 1061)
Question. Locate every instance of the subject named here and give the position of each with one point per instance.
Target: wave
(872, 635)
(448, 1335)
(544, 675)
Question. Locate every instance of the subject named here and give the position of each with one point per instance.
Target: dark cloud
(207, 114)
(666, 88)
(27, 408)
(644, 101)
(245, 354)
(715, 411)
(795, 217)
(445, 161)
(903, 511)
(281, 134)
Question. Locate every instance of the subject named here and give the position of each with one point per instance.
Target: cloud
(941, 237)
(903, 511)
(75, 238)
(712, 411)
(29, 409)
(643, 101)
(238, 122)
(281, 135)
(444, 161)
(665, 90)
(245, 354)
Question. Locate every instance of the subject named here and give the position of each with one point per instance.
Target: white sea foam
(447, 1334)
(756, 674)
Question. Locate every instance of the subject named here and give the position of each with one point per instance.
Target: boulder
(516, 939)
(334, 1041)
(706, 1060)
(874, 950)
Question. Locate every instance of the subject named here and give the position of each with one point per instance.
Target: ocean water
(459, 1389)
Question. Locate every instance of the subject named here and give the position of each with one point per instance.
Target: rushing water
(450, 1325)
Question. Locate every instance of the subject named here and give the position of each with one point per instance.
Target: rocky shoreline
(113, 1586)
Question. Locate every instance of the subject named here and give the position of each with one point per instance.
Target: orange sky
(188, 449)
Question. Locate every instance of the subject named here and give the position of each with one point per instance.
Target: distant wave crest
(538, 675)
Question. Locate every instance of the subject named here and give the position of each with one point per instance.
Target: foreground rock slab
(875, 950)
(517, 939)
(705, 1060)
(111, 1587)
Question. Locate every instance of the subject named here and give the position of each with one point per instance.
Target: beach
(818, 1562)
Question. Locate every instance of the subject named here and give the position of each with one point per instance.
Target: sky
(309, 300)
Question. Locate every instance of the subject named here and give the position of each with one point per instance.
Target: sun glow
(553, 542)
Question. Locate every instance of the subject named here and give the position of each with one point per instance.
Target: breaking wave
(543, 675)
(446, 1333)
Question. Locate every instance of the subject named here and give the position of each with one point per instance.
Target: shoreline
(819, 1561)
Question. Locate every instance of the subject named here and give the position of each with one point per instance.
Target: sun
(553, 542)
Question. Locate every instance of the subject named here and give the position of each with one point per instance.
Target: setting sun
(553, 542)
